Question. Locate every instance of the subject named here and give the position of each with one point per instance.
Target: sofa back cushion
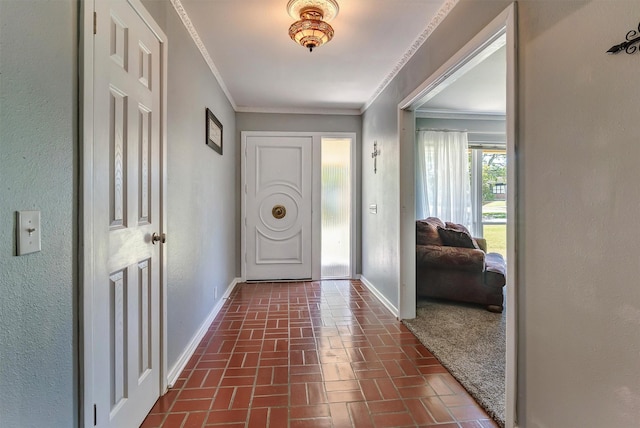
(457, 235)
(427, 231)
(456, 238)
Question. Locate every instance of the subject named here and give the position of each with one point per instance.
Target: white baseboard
(394, 311)
(179, 366)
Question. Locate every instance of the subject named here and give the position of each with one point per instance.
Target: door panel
(126, 206)
(278, 207)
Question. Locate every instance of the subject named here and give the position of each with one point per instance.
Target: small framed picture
(214, 132)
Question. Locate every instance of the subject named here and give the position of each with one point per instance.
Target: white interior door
(278, 207)
(126, 201)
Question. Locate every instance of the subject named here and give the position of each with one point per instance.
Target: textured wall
(580, 298)
(38, 167)
(201, 193)
(304, 123)
(579, 303)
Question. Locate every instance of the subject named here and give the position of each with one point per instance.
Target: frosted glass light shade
(312, 30)
(310, 33)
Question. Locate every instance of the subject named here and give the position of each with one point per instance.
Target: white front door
(278, 207)
(125, 308)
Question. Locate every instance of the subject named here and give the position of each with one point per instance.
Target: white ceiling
(262, 69)
(480, 90)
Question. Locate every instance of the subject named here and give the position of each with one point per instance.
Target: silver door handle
(162, 238)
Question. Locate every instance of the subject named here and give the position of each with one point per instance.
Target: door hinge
(95, 23)
(95, 415)
(246, 189)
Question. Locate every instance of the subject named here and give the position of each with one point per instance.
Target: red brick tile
(213, 378)
(344, 396)
(264, 376)
(165, 402)
(308, 412)
(196, 378)
(240, 372)
(277, 415)
(258, 418)
(280, 375)
(360, 415)
(437, 409)
(342, 385)
(311, 423)
(191, 394)
(467, 413)
(242, 397)
(387, 389)
(222, 400)
(416, 391)
(387, 406)
(265, 350)
(237, 381)
(299, 394)
(316, 393)
(191, 405)
(174, 420)
(227, 416)
(153, 420)
(370, 390)
(457, 400)
(419, 412)
(195, 420)
(271, 390)
(340, 414)
(393, 420)
(432, 369)
(270, 401)
(305, 378)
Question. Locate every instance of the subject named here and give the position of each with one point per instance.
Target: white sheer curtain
(443, 186)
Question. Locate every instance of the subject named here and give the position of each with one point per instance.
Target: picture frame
(214, 132)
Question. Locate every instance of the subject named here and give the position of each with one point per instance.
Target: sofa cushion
(427, 231)
(495, 271)
(456, 238)
(462, 228)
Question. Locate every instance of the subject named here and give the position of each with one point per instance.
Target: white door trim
(316, 221)
(86, 215)
(505, 23)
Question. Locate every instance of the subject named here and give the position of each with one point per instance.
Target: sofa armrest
(482, 243)
(443, 257)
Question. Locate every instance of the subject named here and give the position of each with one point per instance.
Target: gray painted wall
(579, 303)
(304, 123)
(38, 171)
(579, 300)
(201, 189)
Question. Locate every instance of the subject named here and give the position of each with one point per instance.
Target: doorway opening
(430, 102)
(336, 208)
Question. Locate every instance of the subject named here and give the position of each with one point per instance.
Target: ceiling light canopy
(312, 29)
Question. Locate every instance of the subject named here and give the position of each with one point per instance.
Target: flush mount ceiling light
(312, 29)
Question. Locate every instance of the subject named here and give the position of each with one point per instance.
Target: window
(336, 208)
(489, 195)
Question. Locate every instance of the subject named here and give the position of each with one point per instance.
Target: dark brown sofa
(459, 273)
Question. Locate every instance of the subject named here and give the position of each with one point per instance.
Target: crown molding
(293, 110)
(444, 10)
(177, 5)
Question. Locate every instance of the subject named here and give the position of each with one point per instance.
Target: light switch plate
(28, 232)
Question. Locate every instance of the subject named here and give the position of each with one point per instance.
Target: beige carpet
(470, 342)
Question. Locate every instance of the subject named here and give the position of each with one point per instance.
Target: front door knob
(162, 238)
